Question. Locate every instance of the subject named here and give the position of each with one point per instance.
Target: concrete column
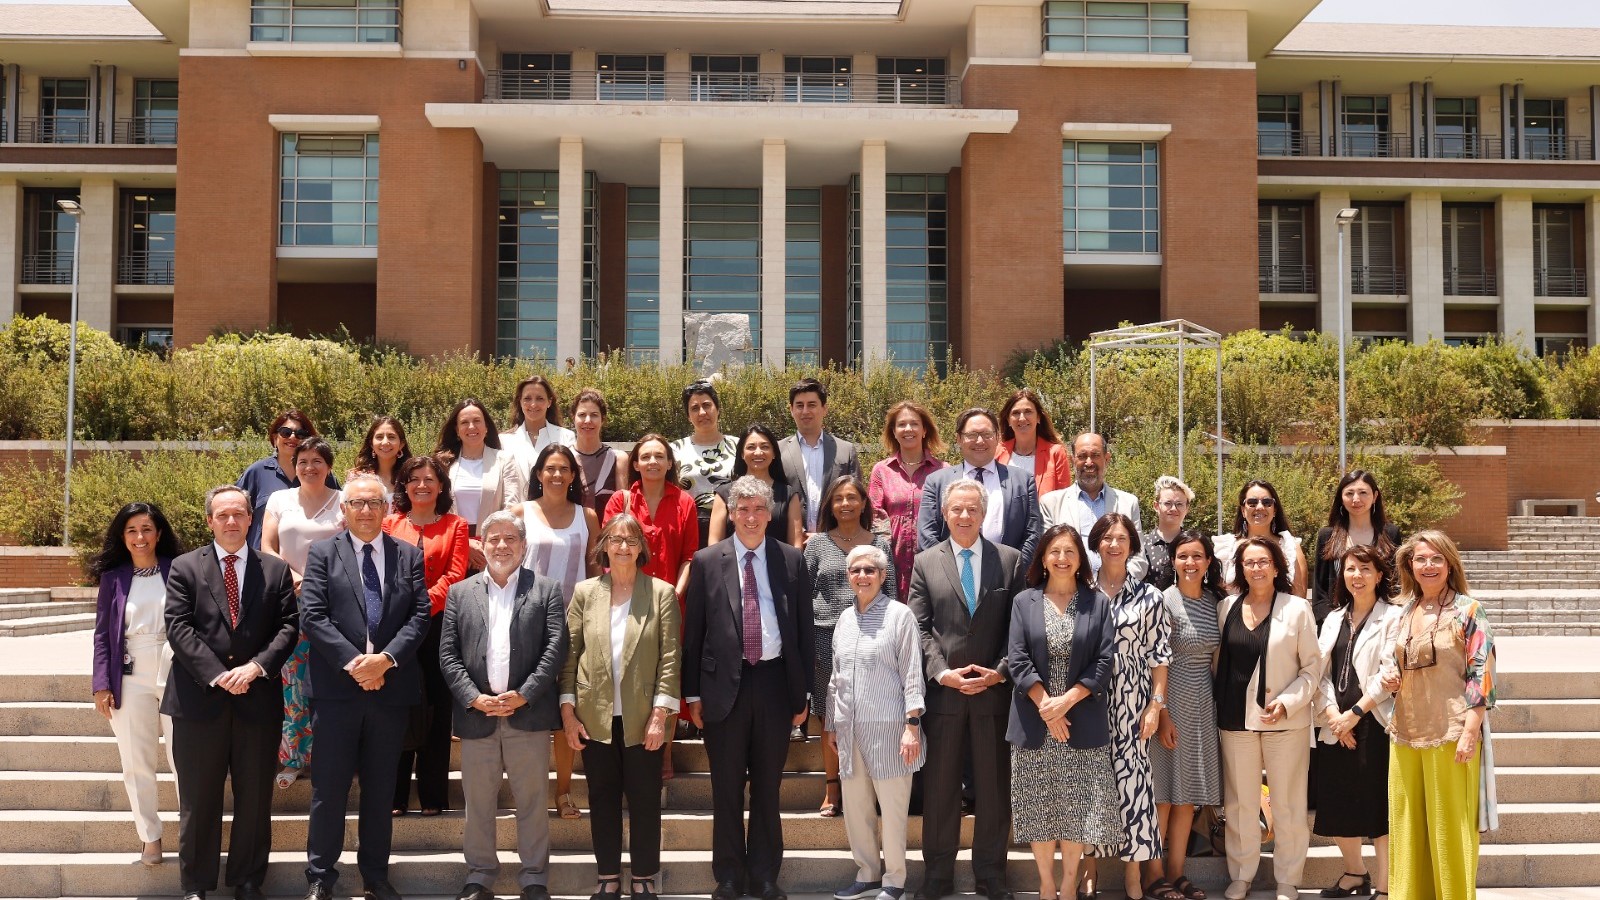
(569, 252)
(584, 74)
(1513, 248)
(774, 249)
(97, 267)
(670, 285)
(1591, 235)
(864, 78)
(1326, 210)
(1425, 264)
(874, 253)
(678, 76)
(10, 246)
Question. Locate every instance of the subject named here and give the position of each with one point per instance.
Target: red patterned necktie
(230, 580)
(752, 611)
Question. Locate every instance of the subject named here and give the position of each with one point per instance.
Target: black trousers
(615, 771)
(750, 747)
(354, 738)
(206, 754)
(431, 760)
(954, 741)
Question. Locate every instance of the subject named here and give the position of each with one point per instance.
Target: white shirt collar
(760, 551)
(802, 439)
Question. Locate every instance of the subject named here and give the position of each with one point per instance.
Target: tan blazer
(1293, 663)
(502, 483)
(649, 657)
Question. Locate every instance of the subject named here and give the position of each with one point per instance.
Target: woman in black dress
(1356, 519)
(1351, 770)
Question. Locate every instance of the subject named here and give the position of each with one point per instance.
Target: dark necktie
(374, 590)
(230, 581)
(752, 611)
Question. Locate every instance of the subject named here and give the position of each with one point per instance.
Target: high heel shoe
(609, 887)
(1362, 889)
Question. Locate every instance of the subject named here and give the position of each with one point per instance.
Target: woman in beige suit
(619, 691)
(1268, 670)
(484, 479)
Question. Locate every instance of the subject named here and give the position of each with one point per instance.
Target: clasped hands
(499, 705)
(237, 680)
(369, 669)
(971, 678)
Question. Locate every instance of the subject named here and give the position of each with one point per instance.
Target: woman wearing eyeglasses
(1260, 514)
(1439, 660)
(266, 477)
(1172, 507)
(1356, 520)
(1268, 669)
(705, 458)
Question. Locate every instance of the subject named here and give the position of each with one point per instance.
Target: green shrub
(1410, 394)
(1575, 387)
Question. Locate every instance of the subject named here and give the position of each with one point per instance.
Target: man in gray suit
(811, 457)
(501, 650)
(1083, 502)
(1012, 516)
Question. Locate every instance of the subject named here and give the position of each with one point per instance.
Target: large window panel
(1071, 26)
(917, 239)
(326, 21)
(329, 190)
(1111, 197)
(642, 309)
(528, 268)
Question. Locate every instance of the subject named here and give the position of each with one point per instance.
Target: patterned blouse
(704, 468)
(897, 494)
(830, 584)
(1444, 672)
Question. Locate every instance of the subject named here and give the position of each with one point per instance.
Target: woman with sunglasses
(266, 477)
(1260, 514)
(705, 457)
(1356, 520)
(1439, 660)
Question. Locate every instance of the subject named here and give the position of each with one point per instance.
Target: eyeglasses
(978, 436)
(864, 570)
(1256, 563)
(361, 503)
(285, 431)
(622, 542)
(1429, 562)
(1174, 504)
(1263, 502)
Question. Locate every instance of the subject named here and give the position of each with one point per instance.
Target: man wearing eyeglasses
(1082, 503)
(266, 477)
(364, 607)
(1012, 516)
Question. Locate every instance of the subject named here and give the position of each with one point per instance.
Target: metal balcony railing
(1470, 283)
(56, 130)
(47, 267)
(1382, 280)
(1283, 142)
(562, 86)
(1374, 144)
(1464, 146)
(1288, 279)
(146, 130)
(144, 268)
(1555, 147)
(1560, 282)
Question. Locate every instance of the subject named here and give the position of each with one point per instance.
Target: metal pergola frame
(1173, 334)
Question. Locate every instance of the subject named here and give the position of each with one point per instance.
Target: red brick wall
(1556, 460)
(1483, 475)
(39, 567)
(321, 308)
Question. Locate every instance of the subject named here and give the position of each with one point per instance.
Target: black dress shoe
(771, 891)
(316, 890)
(995, 889)
(531, 892)
(933, 890)
(380, 890)
(248, 891)
(727, 890)
(471, 891)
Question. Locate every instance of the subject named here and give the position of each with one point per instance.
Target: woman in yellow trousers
(1442, 672)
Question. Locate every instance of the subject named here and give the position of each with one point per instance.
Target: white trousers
(138, 724)
(862, 796)
(1286, 756)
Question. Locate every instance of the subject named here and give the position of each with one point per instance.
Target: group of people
(998, 635)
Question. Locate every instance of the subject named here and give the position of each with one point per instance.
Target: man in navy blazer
(1012, 516)
(364, 608)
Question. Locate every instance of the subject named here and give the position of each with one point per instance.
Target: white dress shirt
(502, 605)
(771, 637)
(619, 643)
(238, 570)
(994, 517)
(977, 573)
(377, 561)
(812, 459)
(466, 488)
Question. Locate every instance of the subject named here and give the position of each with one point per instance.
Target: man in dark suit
(364, 607)
(231, 626)
(1012, 516)
(961, 591)
(747, 662)
(813, 458)
(503, 645)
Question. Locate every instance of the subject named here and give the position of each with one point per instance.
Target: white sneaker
(1288, 892)
(1237, 890)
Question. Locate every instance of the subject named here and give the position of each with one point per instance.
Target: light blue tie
(969, 584)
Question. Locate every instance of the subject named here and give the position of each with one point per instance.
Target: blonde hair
(1439, 541)
(1169, 483)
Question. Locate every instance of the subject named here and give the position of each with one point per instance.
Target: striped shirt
(877, 678)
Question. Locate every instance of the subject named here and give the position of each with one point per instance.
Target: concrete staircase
(1548, 580)
(29, 611)
(64, 829)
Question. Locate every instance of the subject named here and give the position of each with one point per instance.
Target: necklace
(147, 571)
(603, 449)
(1342, 681)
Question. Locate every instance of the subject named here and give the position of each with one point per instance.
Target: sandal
(605, 881)
(1161, 889)
(430, 812)
(831, 810)
(643, 887)
(1362, 888)
(286, 778)
(398, 811)
(567, 808)
(1093, 892)
(1187, 888)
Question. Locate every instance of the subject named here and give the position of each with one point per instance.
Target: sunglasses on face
(1263, 502)
(864, 570)
(285, 431)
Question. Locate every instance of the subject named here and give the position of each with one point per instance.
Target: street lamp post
(1342, 220)
(73, 209)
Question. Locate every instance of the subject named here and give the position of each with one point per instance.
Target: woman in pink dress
(912, 441)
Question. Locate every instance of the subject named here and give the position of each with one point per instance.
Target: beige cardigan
(650, 657)
(502, 483)
(1293, 663)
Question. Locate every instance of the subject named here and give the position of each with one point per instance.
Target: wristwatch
(913, 721)
(1160, 699)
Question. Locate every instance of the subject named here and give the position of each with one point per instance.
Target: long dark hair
(402, 500)
(114, 550)
(1373, 557)
(1044, 430)
(826, 521)
(1280, 582)
(1280, 520)
(1339, 518)
(450, 440)
(1036, 575)
(574, 487)
(552, 413)
(1212, 579)
(775, 470)
(367, 461)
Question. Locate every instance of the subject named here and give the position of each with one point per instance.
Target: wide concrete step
(1517, 716)
(46, 624)
(17, 596)
(1521, 685)
(1547, 748)
(1546, 784)
(17, 687)
(13, 611)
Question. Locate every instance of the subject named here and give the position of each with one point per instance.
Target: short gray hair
(1169, 483)
(748, 487)
(362, 478)
(505, 517)
(966, 484)
(871, 554)
(221, 489)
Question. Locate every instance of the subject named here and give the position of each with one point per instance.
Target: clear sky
(1583, 13)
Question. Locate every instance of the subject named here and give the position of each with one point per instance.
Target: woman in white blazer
(1268, 669)
(484, 479)
(535, 423)
(1351, 778)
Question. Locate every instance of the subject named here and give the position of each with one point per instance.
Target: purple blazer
(109, 639)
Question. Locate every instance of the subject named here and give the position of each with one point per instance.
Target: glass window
(642, 308)
(155, 112)
(157, 338)
(1364, 122)
(1278, 125)
(912, 80)
(1281, 239)
(802, 284)
(326, 21)
(1467, 233)
(64, 112)
(722, 254)
(817, 79)
(535, 76)
(725, 78)
(1558, 269)
(1376, 255)
(1072, 26)
(1111, 199)
(527, 270)
(329, 193)
(631, 77)
(917, 240)
(149, 230)
(1544, 130)
(49, 237)
(1455, 128)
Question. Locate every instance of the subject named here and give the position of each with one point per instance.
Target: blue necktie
(969, 584)
(374, 590)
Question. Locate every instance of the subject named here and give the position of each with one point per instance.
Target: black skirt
(1351, 787)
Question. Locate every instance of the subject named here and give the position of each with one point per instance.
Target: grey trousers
(524, 756)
